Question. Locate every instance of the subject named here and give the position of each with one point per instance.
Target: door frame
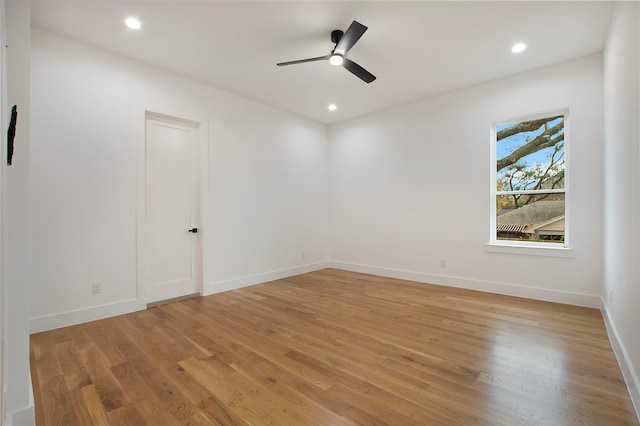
(202, 247)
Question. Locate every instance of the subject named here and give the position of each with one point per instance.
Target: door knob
(193, 230)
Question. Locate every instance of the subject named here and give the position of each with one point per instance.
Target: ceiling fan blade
(358, 71)
(302, 61)
(349, 38)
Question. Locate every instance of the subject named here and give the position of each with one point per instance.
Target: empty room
(383, 212)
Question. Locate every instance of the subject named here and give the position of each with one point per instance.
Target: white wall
(411, 186)
(267, 198)
(622, 190)
(19, 409)
(4, 114)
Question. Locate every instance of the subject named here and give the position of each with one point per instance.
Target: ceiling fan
(344, 42)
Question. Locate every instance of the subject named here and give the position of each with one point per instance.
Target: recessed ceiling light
(332, 107)
(518, 47)
(336, 59)
(133, 23)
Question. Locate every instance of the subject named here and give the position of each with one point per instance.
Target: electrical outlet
(610, 295)
(443, 263)
(303, 255)
(96, 288)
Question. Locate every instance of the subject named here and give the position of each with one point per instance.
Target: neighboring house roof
(554, 226)
(506, 227)
(532, 217)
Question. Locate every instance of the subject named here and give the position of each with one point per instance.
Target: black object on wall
(11, 133)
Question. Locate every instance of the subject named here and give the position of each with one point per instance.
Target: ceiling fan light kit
(336, 59)
(344, 42)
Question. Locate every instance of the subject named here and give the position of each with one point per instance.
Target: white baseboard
(92, 313)
(64, 319)
(628, 372)
(79, 316)
(549, 295)
(24, 417)
(235, 283)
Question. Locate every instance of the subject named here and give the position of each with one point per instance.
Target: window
(529, 159)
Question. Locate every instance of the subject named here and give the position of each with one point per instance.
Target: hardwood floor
(334, 348)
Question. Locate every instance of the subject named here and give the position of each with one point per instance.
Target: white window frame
(530, 247)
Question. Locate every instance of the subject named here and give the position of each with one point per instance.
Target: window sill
(531, 251)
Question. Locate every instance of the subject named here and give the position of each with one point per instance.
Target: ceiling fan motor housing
(336, 35)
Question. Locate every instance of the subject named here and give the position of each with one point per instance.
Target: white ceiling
(416, 49)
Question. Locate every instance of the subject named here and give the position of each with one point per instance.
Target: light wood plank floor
(334, 348)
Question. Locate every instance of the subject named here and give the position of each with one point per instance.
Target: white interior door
(171, 207)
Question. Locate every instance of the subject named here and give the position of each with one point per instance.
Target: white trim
(23, 417)
(141, 204)
(203, 199)
(531, 250)
(509, 289)
(629, 374)
(79, 316)
(533, 192)
(249, 280)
